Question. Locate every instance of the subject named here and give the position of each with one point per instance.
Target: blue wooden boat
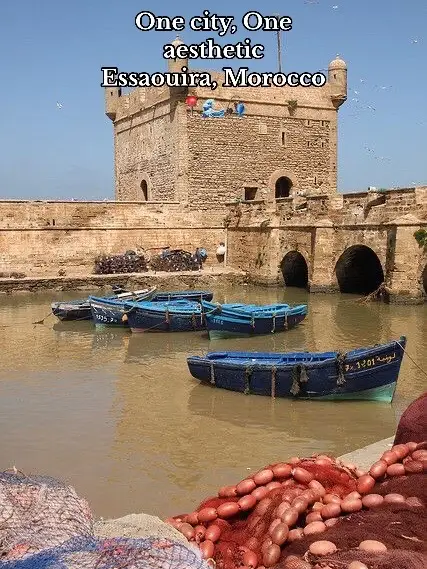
(365, 373)
(173, 316)
(81, 310)
(227, 320)
(191, 295)
(111, 311)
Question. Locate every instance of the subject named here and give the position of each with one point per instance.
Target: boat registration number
(370, 362)
(104, 318)
(218, 321)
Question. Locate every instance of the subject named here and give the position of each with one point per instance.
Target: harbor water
(119, 417)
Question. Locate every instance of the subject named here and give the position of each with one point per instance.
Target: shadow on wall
(359, 270)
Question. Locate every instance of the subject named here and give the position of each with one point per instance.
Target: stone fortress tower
(285, 144)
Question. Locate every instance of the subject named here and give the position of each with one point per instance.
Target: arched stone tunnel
(424, 280)
(359, 270)
(294, 270)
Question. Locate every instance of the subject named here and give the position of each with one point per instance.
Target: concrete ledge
(200, 279)
(366, 456)
(406, 299)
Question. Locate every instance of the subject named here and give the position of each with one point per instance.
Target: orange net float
(253, 524)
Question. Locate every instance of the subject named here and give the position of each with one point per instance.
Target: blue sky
(52, 51)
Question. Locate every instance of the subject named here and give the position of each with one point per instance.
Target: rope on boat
(274, 323)
(212, 373)
(285, 322)
(167, 319)
(340, 369)
(412, 360)
(273, 381)
(299, 375)
(248, 373)
(155, 326)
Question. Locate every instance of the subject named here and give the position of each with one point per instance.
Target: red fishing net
(413, 423)
(318, 513)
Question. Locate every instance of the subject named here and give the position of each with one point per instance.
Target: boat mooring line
(43, 319)
(412, 360)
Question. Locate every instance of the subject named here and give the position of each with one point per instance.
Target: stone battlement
(361, 208)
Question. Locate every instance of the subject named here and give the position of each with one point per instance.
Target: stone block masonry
(352, 242)
(40, 238)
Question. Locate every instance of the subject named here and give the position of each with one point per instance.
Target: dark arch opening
(144, 190)
(359, 270)
(283, 187)
(424, 280)
(294, 269)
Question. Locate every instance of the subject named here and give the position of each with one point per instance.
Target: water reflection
(285, 416)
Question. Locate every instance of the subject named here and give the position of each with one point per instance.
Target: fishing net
(91, 553)
(413, 422)
(39, 512)
(130, 262)
(401, 527)
(176, 260)
(44, 524)
(316, 513)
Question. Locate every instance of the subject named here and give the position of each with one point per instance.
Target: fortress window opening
(144, 190)
(283, 188)
(250, 193)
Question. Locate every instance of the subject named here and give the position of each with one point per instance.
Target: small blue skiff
(364, 374)
(227, 320)
(173, 316)
(81, 309)
(111, 311)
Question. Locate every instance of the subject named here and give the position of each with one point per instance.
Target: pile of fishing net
(175, 260)
(130, 262)
(44, 524)
(317, 513)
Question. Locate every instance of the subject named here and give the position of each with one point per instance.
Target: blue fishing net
(44, 524)
(91, 553)
(39, 512)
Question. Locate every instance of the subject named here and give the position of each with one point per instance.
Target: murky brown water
(119, 416)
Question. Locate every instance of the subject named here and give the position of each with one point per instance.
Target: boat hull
(81, 309)
(145, 319)
(104, 315)
(364, 374)
(226, 326)
(65, 312)
(111, 311)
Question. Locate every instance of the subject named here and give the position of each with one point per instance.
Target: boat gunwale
(353, 355)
